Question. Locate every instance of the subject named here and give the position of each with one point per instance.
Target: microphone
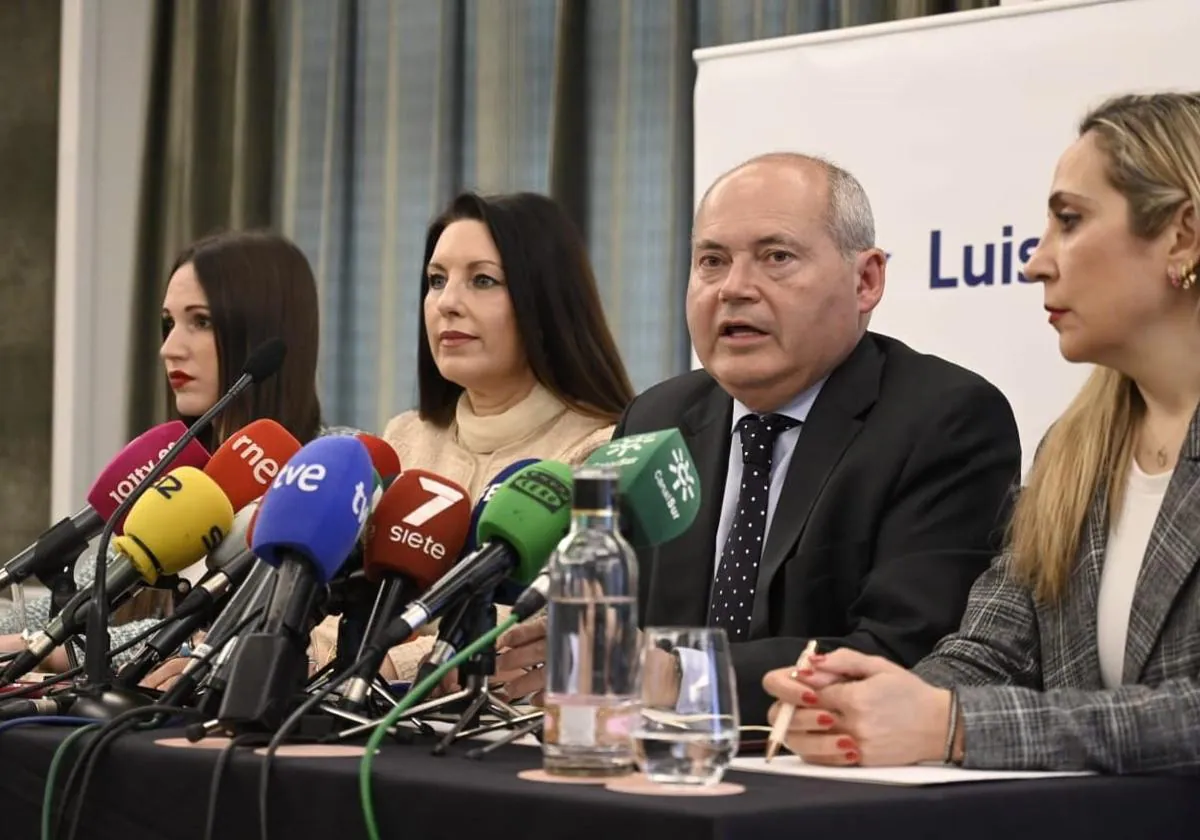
(659, 497)
(229, 564)
(526, 518)
(168, 530)
(248, 461)
(262, 363)
(658, 485)
(417, 530)
(222, 635)
(383, 456)
(453, 630)
(351, 594)
(486, 496)
(70, 536)
(307, 525)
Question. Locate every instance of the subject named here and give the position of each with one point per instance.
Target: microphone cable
(281, 734)
(84, 767)
(410, 699)
(246, 739)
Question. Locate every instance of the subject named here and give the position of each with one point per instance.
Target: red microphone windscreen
(248, 461)
(418, 529)
(250, 527)
(383, 456)
(126, 471)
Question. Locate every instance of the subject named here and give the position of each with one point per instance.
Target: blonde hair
(1152, 143)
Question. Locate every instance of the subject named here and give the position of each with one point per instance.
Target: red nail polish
(845, 743)
(804, 672)
(809, 698)
(824, 720)
(852, 756)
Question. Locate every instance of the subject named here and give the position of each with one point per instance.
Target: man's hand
(522, 659)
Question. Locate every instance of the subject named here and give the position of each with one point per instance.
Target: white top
(1127, 541)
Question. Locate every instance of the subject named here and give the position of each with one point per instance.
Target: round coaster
(316, 751)
(540, 775)
(639, 784)
(213, 742)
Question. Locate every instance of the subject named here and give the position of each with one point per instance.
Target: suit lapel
(1171, 557)
(683, 570)
(834, 421)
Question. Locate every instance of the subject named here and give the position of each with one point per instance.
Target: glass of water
(687, 733)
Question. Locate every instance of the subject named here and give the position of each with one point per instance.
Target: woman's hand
(165, 675)
(858, 709)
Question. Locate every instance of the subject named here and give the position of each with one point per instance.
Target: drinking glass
(687, 733)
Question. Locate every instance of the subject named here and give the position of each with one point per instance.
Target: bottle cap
(595, 488)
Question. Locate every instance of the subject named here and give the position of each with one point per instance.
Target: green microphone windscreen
(531, 511)
(660, 493)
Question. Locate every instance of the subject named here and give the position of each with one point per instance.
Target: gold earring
(1187, 276)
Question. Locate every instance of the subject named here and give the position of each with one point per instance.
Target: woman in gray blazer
(1080, 647)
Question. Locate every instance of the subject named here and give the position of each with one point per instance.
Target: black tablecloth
(146, 792)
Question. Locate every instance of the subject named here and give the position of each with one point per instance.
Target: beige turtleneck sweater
(469, 452)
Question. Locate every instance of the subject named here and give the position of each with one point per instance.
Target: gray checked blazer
(1028, 675)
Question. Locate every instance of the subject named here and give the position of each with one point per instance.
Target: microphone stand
(98, 696)
(476, 693)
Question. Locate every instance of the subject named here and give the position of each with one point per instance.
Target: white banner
(953, 124)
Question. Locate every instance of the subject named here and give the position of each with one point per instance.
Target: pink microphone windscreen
(126, 471)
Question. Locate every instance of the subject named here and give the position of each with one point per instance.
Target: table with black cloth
(142, 791)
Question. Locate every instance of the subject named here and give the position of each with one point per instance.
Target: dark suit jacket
(895, 501)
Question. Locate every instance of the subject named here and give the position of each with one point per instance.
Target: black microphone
(263, 363)
(209, 664)
(229, 564)
(206, 599)
(452, 635)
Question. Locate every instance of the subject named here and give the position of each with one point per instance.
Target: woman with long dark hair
(226, 295)
(515, 359)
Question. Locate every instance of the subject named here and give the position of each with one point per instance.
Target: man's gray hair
(848, 218)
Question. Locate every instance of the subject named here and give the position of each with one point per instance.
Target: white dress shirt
(694, 684)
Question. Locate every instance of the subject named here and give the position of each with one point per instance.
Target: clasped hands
(854, 709)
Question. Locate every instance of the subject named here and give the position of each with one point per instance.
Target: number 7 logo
(444, 497)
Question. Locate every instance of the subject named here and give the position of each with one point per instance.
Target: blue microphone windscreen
(485, 497)
(317, 505)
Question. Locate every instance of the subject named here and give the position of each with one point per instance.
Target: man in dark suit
(852, 488)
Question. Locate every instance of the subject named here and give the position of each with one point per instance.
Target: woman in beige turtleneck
(514, 357)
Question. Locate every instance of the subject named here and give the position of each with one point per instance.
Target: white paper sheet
(922, 774)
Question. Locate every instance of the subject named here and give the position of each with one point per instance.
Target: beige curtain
(210, 154)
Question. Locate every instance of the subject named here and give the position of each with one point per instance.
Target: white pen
(779, 731)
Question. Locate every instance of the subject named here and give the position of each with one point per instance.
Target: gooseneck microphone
(262, 363)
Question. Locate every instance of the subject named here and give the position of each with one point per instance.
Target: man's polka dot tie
(733, 592)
